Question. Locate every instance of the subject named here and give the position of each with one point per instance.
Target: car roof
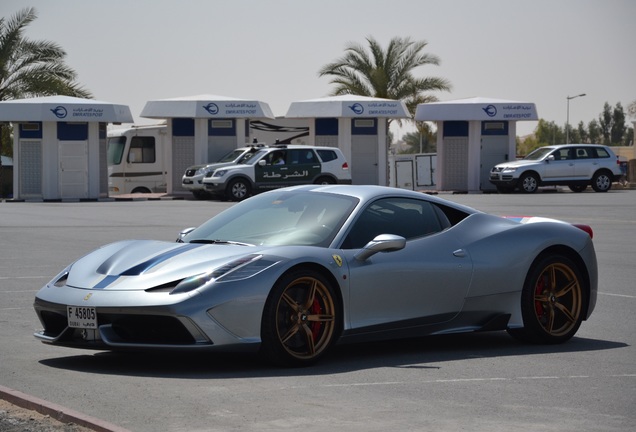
(371, 192)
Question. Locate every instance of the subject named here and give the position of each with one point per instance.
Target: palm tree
(386, 73)
(32, 68)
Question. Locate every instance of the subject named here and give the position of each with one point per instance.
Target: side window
(327, 155)
(301, 156)
(408, 218)
(562, 154)
(601, 152)
(583, 153)
(277, 157)
(142, 150)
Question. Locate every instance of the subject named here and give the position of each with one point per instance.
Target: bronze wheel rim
(305, 318)
(558, 299)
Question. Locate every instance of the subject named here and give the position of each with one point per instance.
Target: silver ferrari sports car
(294, 271)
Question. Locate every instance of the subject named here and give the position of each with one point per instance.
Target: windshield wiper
(228, 242)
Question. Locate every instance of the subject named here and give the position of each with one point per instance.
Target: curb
(57, 412)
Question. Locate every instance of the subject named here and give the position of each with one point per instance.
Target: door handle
(460, 253)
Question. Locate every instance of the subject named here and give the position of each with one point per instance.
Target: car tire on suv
(602, 181)
(238, 190)
(528, 183)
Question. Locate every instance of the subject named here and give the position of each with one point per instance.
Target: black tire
(528, 183)
(238, 190)
(552, 301)
(602, 181)
(140, 190)
(324, 181)
(577, 188)
(300, 319)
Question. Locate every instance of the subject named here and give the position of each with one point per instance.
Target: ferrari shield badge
(337, 259)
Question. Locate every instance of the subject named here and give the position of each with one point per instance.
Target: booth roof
(64, 108)
(206, 106)
(477, 108)
(348, 106)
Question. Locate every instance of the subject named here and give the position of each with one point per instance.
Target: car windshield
(231, 156)
(254, 157)
(539, 153)
(278, 218)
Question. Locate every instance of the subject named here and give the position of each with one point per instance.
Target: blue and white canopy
(206, 106)
(63, 109)
(477, 108)
(348, 106)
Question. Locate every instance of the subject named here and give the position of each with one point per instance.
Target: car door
(271, 170)
(424, 283)
(562, 167)
(302, 166)
(585, 163)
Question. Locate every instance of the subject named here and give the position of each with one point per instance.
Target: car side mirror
(549, 158)
(382, 243)
(262, 162)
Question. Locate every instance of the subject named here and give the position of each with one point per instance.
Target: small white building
(59, 146)
(203, 128)
(358, 126)
(473, 135)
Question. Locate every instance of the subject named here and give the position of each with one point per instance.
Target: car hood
(143, 264)
(519, 163)
(211, 165)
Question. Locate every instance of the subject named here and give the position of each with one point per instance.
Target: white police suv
(278, 166)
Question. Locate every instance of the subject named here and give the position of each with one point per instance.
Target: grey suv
(572, 165)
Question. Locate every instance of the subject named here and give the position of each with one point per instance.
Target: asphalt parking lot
(473, 382)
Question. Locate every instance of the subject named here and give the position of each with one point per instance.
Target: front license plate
(82, 317)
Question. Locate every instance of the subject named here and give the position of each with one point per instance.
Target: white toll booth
(203, 128)
(473, 135)
(358, 126)
(59, 146)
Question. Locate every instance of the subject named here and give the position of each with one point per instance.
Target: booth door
(73, 174)
(364, 160)
(494, 150)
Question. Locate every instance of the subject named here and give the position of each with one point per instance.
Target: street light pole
(567, 121)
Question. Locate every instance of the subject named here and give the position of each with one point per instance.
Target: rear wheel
(528, 183)
(551, 301)
(300, 319)
(602, 181)
(238, 190)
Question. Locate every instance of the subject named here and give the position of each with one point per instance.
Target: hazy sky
(541, 51)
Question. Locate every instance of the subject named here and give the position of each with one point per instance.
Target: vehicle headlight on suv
(508, 169)
(219, 173)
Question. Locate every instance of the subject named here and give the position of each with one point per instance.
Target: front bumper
(499, 179)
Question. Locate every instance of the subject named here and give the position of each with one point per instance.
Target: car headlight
(219, 173)
(223, 273)
(59, 280)
(509, 170)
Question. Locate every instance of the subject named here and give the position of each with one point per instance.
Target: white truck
(137, 159)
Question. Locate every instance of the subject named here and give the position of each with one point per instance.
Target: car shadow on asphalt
(419, 353)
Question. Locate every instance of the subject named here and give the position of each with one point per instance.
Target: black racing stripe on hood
(146, 265)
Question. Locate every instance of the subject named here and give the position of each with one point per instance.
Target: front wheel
(601, 182)
(238, 190)
(528, 183)
(300, 319)
(551, 301)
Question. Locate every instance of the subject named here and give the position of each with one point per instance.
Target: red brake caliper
(538, 291)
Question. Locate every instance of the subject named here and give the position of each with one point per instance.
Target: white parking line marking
(618, 295)
(468, 380)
